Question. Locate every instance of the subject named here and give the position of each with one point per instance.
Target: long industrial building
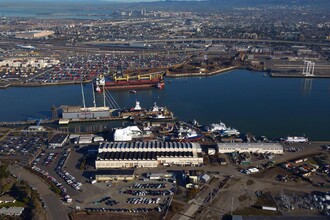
(274, 148)
(34, 34)
(147, 154)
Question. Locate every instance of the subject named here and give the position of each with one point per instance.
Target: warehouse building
(114, 175)
(58, 140)
(33, 34)
(147, 154)
(274, 148)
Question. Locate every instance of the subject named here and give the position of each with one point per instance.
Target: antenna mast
(83, 96)
(103, 96)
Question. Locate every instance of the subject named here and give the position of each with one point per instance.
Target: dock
(295, 75)
(180, 75)
(14, 123)
(80, 120)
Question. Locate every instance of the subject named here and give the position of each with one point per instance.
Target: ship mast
(103, 96)
(93, 95)
(83, 95)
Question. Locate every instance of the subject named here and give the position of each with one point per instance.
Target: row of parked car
(158, 209)
(143, 200)
(50, 158)
(148, 192)
(69, 179)
(148, 186)
(53, 180)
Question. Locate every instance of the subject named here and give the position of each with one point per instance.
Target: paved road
(55, 209)
(204, 40)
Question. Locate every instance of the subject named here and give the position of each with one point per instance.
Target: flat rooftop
(115, 172)
(148, 155)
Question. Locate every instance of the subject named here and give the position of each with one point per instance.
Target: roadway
(55, 208)
(205, 40)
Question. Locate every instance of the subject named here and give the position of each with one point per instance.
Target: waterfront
(54, 12)
(248, 101)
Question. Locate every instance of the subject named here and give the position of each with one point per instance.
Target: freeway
(55, 209)
(208, 40)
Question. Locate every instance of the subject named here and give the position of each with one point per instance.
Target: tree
(4, 173)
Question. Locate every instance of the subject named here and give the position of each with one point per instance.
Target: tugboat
(160, 113)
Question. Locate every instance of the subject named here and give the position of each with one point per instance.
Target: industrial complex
(147, 154)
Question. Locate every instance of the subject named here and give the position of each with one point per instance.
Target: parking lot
(62, 167)
(53, 161)
(26, 145)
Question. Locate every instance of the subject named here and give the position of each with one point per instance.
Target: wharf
(290, 75)
(180, 75)
(94, 120)
(14, 123)
(35, 84)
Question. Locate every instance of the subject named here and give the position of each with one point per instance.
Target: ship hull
(132, 84)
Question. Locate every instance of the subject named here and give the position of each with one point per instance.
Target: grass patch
(15, 204)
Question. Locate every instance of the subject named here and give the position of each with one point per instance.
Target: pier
(295, 75)
(179, 75)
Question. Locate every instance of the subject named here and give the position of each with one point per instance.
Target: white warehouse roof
(275, 148)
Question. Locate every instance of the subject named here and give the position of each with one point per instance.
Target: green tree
(4, 173)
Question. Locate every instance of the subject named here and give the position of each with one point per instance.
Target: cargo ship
(128, 83)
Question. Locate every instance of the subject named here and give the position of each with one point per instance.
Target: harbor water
(247, 101)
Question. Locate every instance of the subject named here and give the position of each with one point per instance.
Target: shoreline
(169, 75)
(44, 84)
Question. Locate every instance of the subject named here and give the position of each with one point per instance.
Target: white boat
(230, 132)
(155, 108)
(218, 127)
(296, 139)
(190, 135)
(195, 123)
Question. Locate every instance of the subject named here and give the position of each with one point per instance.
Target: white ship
(189, 135)
(218, 127)
(230, 132)
(296, 139)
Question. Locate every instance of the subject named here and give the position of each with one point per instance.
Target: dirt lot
(239, 195)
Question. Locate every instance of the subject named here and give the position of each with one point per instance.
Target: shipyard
(172, 110)
(133, 171)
